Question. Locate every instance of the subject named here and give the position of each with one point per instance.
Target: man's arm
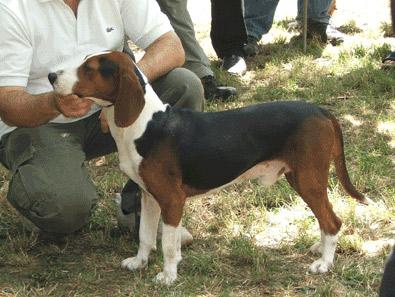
(163, 55)
(19, 108)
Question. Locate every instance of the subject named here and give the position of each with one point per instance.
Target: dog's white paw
(320, 266)
(133, 263)
(316, 248)
(165, 278)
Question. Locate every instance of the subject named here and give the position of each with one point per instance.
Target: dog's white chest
(129, 162)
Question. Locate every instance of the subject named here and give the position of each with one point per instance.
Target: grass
(249, 240)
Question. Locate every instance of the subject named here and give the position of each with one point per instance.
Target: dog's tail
(340, 161)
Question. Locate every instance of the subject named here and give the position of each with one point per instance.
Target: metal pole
(306, 3)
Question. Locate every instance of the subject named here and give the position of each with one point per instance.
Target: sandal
(389, 61)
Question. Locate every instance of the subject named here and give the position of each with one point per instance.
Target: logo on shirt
(109, 29)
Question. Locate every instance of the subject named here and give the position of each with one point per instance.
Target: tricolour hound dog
(174, 153)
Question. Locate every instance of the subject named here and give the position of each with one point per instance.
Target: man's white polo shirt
(41, 36)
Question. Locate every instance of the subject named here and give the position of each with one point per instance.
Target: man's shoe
(213, 91)
(335, 37)
(129, 208)
(127, 222)
(389, 62)
(131, 223)
(251, 48)
(234, 65)
(131, 198)
(316, 30)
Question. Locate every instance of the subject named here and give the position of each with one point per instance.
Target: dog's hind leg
(150, 213)
(315, 195)
(309, 177)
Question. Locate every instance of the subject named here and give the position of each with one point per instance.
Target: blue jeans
(258, 17)
(317, 10)
(259, 14)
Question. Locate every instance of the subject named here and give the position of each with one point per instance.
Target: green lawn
(249, 240)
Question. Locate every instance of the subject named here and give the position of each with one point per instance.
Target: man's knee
(181, 88)
(45, 205)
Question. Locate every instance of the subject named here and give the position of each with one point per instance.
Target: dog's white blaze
(327, 248)
(65, 81)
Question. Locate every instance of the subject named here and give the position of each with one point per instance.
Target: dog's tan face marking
(111, 77)
(98, 77)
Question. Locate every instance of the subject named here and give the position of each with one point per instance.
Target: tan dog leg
(309, 177)
(150, 213)
(316, 197)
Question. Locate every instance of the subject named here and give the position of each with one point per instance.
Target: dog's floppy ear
(130, 101)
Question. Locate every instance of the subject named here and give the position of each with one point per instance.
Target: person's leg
(258, 18)
(50, 185)
(317, 10)
(180, 88)
(393, 14)
(228, 34)
(318, 21)
(96, 142)
(389, 61)
(195, 58)
(387, 287)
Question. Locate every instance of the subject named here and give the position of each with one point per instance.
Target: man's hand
(72, 106)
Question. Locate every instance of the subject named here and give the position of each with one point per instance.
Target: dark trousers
(387, 288)
(50, 185)
(228, 32)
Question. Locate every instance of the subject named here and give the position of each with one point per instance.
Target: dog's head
(108, 79)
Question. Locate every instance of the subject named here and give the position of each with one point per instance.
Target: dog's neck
(152, 105)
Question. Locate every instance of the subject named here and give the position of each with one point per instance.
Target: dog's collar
(142, 78)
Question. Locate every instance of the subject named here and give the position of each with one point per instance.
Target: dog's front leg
(171, 246)
(150, 213)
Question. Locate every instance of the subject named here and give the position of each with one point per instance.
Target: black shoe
(131, 203)
(234, 65)
(316, 30)
(251, 48)
(213, 91)
(389, 61)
